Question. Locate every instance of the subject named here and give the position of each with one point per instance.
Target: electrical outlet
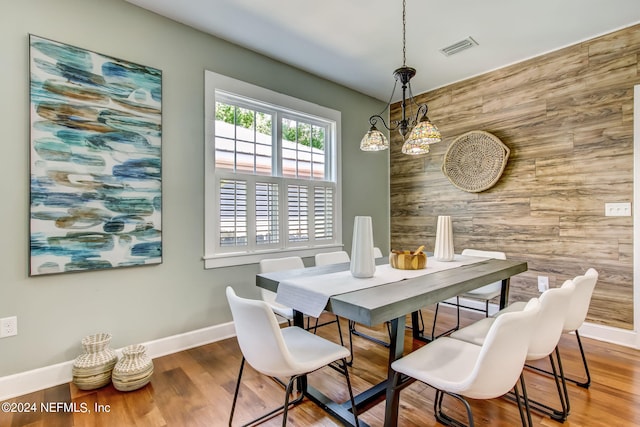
(543, 283)
(8, 327)
(617, 209)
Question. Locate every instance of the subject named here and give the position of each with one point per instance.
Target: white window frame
(213, 256)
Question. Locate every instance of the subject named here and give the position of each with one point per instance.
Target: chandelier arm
(373, 120)
(421, 107)
(393, 91)
(420, 113)
(413, 100)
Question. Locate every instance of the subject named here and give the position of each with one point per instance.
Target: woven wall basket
(475, 161)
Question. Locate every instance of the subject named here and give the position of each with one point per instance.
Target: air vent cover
(458, 47)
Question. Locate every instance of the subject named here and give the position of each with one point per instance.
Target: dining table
(389, 300)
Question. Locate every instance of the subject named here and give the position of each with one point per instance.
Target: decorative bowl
(408, 260)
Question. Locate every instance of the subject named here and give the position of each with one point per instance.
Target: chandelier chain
(404, 33)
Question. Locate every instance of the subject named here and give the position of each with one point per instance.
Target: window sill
(243, 258)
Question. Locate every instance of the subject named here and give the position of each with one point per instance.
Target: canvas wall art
(96, 160)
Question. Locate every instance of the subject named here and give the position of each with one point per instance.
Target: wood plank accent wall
(567, 118)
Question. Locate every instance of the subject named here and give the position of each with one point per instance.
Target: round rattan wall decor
(475, 161)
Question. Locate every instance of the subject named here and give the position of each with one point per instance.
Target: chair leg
(561, 387)
(579, 383)
(527, 410)
(339, 331)
(586, 383)
(235, 394)
(350, 363)
(558, 415)
(435, 319)
(354, 409)
(286, 400)
(353, 331)
(563, 379)
(445, 419)
(284, 407)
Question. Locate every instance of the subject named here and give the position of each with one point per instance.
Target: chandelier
(421, 132)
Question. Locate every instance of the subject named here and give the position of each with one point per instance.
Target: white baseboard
(623, 337)
(48, 376)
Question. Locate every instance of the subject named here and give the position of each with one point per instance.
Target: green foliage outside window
(303, 133)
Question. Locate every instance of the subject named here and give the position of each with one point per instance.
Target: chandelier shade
(421, 132)
(374, 140)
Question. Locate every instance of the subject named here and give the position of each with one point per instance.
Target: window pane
(264, 144)
(323, 212)
(304, 150)
(298, 212)
(233, 213)
(225, 118)
(289, 131)
(225, 153)
(288, 163)
(304, 134)
(264, 161)
(245, 156)
(264, 126)
(289, 143)
(318, 154)
(245, 120)
(267, 213)
(243, 139)
(317, 137)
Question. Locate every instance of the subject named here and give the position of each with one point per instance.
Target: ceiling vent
(458, 47)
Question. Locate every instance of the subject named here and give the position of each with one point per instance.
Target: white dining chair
(279, 264)
(291, 352)
(377, 253)
(464, 370)
(576, 315)
(485, 293)
(335, 257)
(544, 340)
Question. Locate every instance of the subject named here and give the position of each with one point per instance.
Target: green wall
(141, 304)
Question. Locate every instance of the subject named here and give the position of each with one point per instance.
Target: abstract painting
(96, 160)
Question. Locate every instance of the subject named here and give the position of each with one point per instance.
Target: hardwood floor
(195, 388)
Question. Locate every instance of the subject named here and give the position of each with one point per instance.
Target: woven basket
(475, 161)
(133, 370)
(93, 369)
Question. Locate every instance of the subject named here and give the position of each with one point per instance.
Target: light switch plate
(617, 209)
(543, 283)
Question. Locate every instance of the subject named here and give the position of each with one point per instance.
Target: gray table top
(382, 303)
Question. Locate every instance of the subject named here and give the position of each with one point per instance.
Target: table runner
(310, 294)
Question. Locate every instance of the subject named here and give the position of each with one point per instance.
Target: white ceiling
(358, 43)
